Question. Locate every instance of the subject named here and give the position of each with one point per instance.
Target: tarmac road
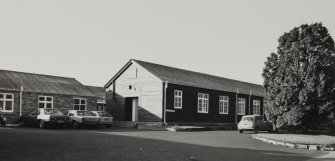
(119, 144)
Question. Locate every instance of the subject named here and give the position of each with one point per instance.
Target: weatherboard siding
(136, 81)
(189, 112)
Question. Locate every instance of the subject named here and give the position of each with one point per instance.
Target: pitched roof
(12, 80)
(195, 79)
(99, 91)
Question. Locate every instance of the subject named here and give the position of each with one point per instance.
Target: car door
(262, 123)
(33, 117)
(259, 122)
(27, 119)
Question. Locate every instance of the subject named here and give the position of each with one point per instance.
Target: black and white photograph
(167, 80)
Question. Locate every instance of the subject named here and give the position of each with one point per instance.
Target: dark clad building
(146, 92)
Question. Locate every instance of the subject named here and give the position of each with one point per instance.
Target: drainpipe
(21, 100)
(236, 106)
(165, 87)
(249, 102)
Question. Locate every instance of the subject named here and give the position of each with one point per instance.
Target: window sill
(203, 112)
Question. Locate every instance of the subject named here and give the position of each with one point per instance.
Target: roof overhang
(110, 82)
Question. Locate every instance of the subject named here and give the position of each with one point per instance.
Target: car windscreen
(104, 114)
(53, 111)
(247, 119)
(85, 113)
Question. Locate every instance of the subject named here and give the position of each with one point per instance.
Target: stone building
(22, 92)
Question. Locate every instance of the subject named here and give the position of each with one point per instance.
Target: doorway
(131, 109)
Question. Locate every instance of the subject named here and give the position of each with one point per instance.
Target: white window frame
(178, 99)
(240, 106)
(223, 105)
(80, 99)
(256, 107)
(5, 100)
(45, 102)
(203, 103)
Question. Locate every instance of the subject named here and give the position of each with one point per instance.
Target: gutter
(21, 100)
(249, 102)
(164, 105)
(236, 106)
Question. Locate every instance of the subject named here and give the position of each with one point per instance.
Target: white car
(253, 123)
(78, 117)
(105, 118)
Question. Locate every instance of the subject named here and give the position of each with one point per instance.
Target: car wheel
(256, 130)
(240, 131)
(75, 124)
(41, 124)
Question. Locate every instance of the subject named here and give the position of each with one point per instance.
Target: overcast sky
(92, 40)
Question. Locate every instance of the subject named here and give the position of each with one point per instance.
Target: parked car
(3, 120)
(78, 117)
(41, 117)
(253, 123)
(105, 118)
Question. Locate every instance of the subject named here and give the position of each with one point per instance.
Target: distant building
(100, 92)
(21, 92)
(148, 92)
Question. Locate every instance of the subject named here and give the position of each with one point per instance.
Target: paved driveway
(125, 144)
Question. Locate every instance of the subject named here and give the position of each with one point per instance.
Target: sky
(91, 40)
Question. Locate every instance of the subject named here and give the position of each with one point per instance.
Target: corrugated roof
(13, 80)
(201, 80)
(99, 91)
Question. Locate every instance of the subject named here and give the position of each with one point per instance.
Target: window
(223, 105)
(6, 102)
(79, 104)
(45, 102)
(202, 103)
(241, 106)
(178, 99)
(256, 107)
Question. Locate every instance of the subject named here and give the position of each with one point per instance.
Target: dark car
(42, 117)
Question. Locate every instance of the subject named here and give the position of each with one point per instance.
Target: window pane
(41, 105)
(1, 105)
(1, 96)
(49, 99)
(9, 96)
(83, 101)
(76, 101)
(42, 98)
(76, 107)
(49, 105)
(82, 107)
(9, 105)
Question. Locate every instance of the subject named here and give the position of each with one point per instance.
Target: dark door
(128, 111)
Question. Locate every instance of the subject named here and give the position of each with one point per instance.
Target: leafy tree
(299, 79)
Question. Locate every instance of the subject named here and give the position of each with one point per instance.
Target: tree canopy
(299, 79)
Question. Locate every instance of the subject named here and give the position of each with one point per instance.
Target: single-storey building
(100, 92)
(148, 92)
(21, 92)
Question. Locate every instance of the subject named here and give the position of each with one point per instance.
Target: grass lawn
(300, 138)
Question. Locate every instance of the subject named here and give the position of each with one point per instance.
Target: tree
(299, 79)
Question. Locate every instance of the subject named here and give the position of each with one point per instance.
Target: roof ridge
(37, 74)
(197, 72)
